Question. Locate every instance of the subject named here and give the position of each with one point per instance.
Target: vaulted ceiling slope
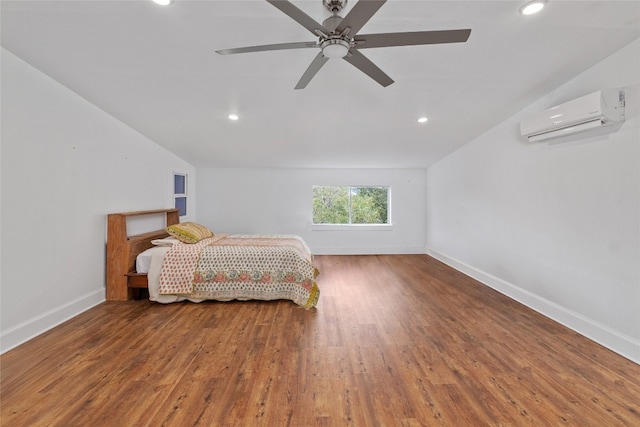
(155, 69)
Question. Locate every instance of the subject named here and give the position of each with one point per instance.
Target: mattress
(143, 261)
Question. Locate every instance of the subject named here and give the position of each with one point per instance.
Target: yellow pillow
(189, 232)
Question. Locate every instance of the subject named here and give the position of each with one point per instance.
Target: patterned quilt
(243, 267)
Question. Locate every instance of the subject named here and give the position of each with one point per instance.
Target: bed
(220, 267)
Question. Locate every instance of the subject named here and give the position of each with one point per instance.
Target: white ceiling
(154, 68)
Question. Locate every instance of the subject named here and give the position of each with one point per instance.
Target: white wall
(279, 201)
(554, 225)
(65, 165)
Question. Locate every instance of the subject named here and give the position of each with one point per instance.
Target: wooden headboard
(122, 250)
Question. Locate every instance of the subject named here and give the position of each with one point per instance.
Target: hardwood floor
(397, 340)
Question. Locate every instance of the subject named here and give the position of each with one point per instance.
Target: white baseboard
(31, 328)
(369, 250)
(603, 335)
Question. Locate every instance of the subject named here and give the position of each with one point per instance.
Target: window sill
(351, 227)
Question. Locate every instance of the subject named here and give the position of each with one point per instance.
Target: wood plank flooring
(396, 340)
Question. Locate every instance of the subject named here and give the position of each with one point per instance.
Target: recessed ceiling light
(532, 7)
(422, 120)
(163, 2)
(233, 117)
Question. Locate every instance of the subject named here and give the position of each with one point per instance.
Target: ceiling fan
(338, 38)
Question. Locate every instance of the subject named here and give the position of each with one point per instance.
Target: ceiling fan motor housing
(332, 22)
(334, 45)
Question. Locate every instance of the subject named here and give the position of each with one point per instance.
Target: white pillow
(167, 241)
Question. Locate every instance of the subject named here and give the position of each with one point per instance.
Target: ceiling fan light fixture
(423, 119)
(335, 48)
(533, 7)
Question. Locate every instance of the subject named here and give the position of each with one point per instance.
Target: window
(180, 192)
(350, 205)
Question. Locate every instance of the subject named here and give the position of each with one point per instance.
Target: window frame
(176, 195)
(388, 226)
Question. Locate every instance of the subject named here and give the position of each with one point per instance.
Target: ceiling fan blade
(365, 41)
(299, 16)
(313, 69)
(280, 46)
(359, 15)
(362, 63)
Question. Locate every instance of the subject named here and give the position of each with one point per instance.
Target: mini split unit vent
(601, 108)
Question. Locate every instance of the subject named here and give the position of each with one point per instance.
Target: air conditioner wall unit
(601, 108)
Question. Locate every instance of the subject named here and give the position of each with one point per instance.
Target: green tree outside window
(350, 205)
